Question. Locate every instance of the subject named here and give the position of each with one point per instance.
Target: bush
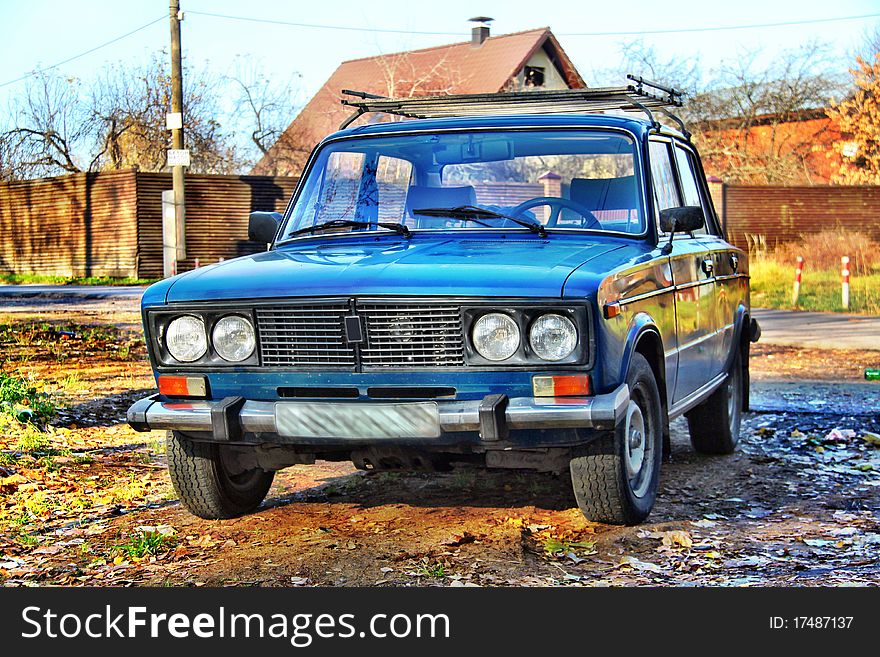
(823, 251)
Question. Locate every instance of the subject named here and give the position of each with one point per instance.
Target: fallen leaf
(638, 564)
(677, 537)
(704, 523)
(459, 539)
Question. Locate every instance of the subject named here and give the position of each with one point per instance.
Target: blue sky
(43, 32)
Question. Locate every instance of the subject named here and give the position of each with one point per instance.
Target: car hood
(499, 265)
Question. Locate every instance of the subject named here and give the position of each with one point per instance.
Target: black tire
(604, 486)
(204, 484)
(714, 424)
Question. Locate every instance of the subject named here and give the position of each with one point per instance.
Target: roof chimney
(480, 31)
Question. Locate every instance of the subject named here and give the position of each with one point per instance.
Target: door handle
(734, 263)
(708, 266)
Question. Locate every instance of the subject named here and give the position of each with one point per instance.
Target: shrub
(823, 251)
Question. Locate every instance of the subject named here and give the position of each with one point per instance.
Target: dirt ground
(85, 500)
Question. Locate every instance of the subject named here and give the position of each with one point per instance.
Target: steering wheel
(556, 205)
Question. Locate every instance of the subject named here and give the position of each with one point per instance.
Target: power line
(347, 28)
(317, 26)
(82, 54)
(716, 28)
(720, 28)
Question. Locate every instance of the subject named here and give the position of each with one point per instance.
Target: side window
(689, 188)
(662, 176)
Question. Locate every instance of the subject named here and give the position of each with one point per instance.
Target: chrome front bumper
(492, 417)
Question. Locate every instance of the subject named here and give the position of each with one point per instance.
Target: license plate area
(363, 421)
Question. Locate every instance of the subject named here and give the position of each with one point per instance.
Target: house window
(534, 76)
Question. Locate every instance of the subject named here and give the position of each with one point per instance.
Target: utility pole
(179, 158)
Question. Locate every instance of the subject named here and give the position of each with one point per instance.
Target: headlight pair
(233, 338)
(496, 337)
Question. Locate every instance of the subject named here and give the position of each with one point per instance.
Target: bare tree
(754, 122)
(759, 124)
(406, 76)
(50, 127)
(129, 107)
(394, 75)
(263, 107)
(61, 125)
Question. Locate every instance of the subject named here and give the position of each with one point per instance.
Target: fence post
(844, 281)
(799, 270)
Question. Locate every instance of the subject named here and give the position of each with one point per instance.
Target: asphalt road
(783, 327)
(819, 330)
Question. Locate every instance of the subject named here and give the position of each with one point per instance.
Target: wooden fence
(110, 224)
(775, 215)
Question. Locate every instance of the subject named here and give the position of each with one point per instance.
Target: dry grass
(772, 273)
(823, 251)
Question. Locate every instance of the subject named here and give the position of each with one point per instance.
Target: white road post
(797, 280)
(844, 281)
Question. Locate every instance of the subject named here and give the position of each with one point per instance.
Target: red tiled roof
(458, 68)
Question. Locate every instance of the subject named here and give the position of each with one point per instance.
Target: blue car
(528, 291)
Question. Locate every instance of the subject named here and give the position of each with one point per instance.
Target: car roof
(636, 125)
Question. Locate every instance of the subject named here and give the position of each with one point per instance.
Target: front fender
(644, 327)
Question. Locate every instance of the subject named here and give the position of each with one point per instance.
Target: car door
(728, 262)
(692, 278)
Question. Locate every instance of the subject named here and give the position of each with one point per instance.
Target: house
(485, 64)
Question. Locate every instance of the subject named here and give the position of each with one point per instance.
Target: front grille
(396, 335)
(411, 335)
(304, 336)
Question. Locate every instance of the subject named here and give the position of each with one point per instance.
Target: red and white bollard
(197, 265)
(844, 282)
(798, 272)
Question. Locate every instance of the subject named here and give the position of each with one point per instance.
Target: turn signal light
(568, 385)
(183, 386)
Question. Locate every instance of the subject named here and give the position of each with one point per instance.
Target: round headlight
(553, 337)
(496, 336)
(185, 338)
(234, 338)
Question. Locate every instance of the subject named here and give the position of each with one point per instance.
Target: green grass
(44, 279)
(772, 284)
(21, 400)
(436, 570)
(147, 543)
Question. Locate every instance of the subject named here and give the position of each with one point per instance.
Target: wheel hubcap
(636, 445)
(733, 401)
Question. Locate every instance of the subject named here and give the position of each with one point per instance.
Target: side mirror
(682, 220)
(262, 226)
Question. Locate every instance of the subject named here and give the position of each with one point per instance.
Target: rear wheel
(714, 424)
(208, 483)
(615, 479)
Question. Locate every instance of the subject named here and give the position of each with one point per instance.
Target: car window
(663, 176)
(687, 174)
(412, 179)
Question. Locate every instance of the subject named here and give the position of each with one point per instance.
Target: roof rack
(643, 95)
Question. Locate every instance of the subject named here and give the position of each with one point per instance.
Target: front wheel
(208, 483)
(615, 479)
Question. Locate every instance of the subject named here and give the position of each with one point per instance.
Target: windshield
(579, 180)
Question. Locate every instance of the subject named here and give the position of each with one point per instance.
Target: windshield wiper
(400, 229)
(473, 213)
